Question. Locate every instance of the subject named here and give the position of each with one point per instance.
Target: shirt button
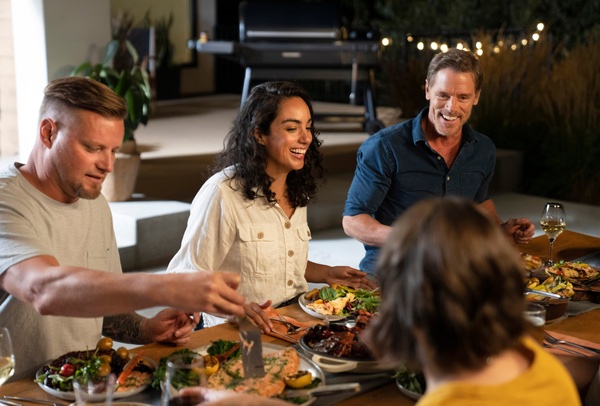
(308, 233)
(290, 282)
(439, 158)
(288, 224)
(290, 253)
(447, 178)
(260, 235)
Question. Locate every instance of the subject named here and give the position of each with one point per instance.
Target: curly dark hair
(242, 150)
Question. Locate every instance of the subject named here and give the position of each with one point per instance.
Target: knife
(323, 390)
(251, 348)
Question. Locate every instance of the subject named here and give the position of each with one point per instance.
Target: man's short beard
(83, 194)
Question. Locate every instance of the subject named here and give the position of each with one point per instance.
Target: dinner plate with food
(337, 302)
(133, 371)
(285, 368)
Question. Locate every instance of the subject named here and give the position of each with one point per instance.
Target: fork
(292, 328)
(556, 341)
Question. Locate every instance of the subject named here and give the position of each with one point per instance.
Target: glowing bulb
(535, 36)
(513, 47)
(496, 49)
(479, 52)
(434, 45)
(501, 43)
(386, 41)
(444, 48)
(409, 38)
(478, 45)
(523, 42)
(420, 46)
(540, 26)
(459, 45)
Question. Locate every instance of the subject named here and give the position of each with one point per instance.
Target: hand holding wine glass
(7, 357)
(553, 222)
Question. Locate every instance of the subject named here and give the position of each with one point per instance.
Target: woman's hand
(256, 312)
(348, 276)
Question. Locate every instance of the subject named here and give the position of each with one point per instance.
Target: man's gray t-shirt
(78, 234)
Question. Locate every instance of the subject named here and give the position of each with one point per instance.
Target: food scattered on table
(96, 364)
(339, 340)
(339, 300)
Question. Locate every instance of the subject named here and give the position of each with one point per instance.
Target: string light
(444, 47)
(535, 36)
(540, 26)
(434, 45)
(420, 46)
(386, 41)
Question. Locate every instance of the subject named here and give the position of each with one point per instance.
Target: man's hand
(520, 229)
(170, 326)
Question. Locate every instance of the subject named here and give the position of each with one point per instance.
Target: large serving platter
(306, 364)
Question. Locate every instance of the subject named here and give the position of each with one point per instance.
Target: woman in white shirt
(250, 216)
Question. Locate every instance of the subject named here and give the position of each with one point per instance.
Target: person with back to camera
(452, 307)
(60, 271)
(434, 154)
(250, 217)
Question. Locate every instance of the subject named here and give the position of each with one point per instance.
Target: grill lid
(285, 20)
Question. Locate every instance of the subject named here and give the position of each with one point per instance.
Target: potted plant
(129, 79)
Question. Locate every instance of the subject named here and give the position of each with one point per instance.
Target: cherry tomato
(105, 344)
(67, 370)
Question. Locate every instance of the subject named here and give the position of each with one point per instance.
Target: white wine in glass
(553, 222)
(7, 357)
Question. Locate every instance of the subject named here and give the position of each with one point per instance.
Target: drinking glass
(183, 370)
(535, 314)
(88, 390)
(7, 357)
(553, 222)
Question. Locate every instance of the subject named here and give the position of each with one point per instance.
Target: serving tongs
(543, 293)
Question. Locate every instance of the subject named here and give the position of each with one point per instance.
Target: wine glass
(183, 370)
(7, 357)
(553, 222)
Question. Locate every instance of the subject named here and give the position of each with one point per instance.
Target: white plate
(302, 301)
(101, 396)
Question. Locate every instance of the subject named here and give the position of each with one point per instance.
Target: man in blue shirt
(433, 154)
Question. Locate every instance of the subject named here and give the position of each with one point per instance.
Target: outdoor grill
(301, 40)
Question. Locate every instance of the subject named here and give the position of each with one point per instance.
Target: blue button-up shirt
(396, 168)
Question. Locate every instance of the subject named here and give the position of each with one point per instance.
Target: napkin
(281, 330)
(558, 348)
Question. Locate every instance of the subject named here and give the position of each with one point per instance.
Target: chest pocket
(304, 233)
(259, 250)
(98, 259)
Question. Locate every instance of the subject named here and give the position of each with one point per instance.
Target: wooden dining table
(568, 246)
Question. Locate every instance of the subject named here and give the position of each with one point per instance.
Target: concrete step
(148, 232)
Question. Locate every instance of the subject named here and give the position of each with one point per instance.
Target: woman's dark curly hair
(242, 150)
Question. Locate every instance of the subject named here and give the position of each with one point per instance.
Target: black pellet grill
(300, 40)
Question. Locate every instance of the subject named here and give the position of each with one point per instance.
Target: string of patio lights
(422, 43)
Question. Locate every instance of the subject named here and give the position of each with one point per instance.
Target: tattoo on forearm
(125, 328)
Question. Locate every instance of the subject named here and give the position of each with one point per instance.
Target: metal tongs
(542, 293)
